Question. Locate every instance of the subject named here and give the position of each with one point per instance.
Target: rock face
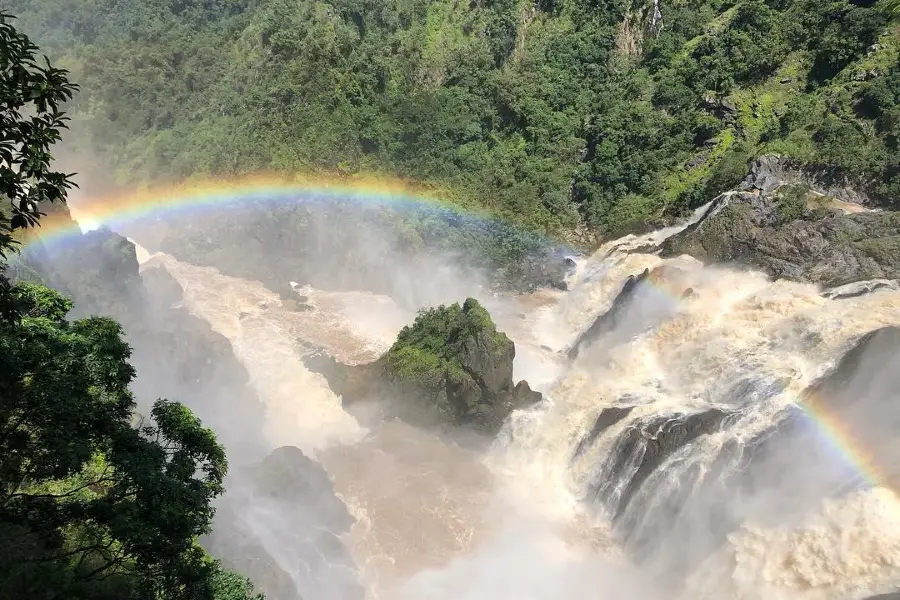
(545, 269)
(860, 288)
(451, 366)
(816, 245)
(643, 301)
(652, 442)
(176, 355)
(280, 522)
(769, 172)
(389, 252)
(281, 525)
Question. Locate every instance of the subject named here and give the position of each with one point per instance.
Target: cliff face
(282, 527)
(179, 356)
(450, 367)
(176, 355)
(798, 223)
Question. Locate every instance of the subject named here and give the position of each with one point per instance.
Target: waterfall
(678, 454)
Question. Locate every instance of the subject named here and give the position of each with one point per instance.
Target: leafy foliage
(433, 344)
(31, 95)
(100, 508)
(91, 506)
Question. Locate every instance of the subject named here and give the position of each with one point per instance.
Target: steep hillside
(580, 117)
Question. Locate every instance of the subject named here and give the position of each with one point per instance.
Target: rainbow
(845, 442)
(186, 199)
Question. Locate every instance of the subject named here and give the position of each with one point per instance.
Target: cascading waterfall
(657, 458)
(647, 429)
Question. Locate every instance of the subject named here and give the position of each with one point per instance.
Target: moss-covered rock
(451, 366)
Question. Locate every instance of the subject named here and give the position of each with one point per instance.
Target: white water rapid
(551, 511)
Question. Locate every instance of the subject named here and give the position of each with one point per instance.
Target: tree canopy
(95, 501)
(31, 95)
(97, 506)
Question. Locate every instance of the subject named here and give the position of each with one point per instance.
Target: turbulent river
(551, 509)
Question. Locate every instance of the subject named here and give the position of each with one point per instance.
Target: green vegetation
(432, 348)
(530, 110)
(95, 506)
(92, 504)
(795, 202)
(30, 120)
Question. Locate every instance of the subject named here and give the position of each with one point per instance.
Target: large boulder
(789, 234)
(451, 366)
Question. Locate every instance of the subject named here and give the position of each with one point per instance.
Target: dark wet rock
(747, 229)
(653, 440)
(282, 527)
(550, 268)
(607, 418)
(607, 321)
(642, 302)
(451, 367)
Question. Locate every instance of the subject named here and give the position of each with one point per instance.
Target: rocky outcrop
(281, 524)
(769, 172)
(643, 301)
(787, 240)
(860, 288)
(607, 418)
(647, 445)
(548, 268)
(176, 355)
(450, 367)
(642, 19)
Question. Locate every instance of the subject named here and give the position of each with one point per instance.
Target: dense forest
(565, 116)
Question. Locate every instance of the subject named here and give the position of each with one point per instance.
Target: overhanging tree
(92, 504)
(32, 93)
